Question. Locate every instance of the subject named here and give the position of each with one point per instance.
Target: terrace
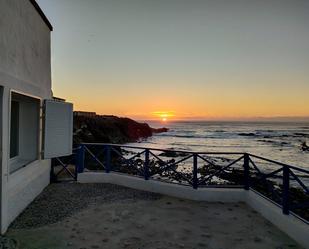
(133, 197)
(72, 215)
(282, 184)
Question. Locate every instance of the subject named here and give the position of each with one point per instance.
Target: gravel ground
(94, 216)
(8, 243)
(62, 200)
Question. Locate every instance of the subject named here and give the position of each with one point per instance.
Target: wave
(280, 142)
(195, 136)
(181, 136)
(276, 143)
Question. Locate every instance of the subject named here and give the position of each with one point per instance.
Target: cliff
(110, 129)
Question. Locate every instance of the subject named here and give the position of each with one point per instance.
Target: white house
(33, 127)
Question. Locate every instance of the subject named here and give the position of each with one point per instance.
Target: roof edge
(41, 13)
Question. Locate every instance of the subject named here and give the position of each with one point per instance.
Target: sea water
(280, 141)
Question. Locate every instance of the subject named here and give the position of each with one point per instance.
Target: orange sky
(219, 100)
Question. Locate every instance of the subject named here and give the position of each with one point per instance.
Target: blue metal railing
(65, 172)
(284, 184)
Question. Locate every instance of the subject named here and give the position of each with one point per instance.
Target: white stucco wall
(25, 67)
(24, 185)
(25, 48)
(291, 225)
(175, 190)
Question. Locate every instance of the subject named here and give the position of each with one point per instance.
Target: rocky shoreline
(110, 129)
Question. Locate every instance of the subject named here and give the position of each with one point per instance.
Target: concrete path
(156, 222)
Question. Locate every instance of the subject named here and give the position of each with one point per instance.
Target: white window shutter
(58, 129)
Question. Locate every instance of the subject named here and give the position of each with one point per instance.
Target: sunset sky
(180, 59)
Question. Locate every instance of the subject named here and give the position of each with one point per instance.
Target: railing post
(286, 188)
(75, 161)
(195, 179)
(246, 172)
(107, 158)
(80, 159)
(53, 177)
(146, 165)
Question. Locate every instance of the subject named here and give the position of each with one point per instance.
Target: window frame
(17, 159)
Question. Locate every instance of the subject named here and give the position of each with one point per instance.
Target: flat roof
(41, 13)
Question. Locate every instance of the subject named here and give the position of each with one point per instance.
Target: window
(24, 130)
(14, 129)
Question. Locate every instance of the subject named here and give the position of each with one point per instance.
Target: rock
(304, 146)
(171, 153)
(159, 130)
(297, 134)
(180, 245)
(247, 134)
(201, 244)
(110, 129)
(206, 235)
(140, 226)
(114, 220)
(292, 246)
(257, 239)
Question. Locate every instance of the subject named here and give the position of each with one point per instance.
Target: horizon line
(196, 118)
(237, 119)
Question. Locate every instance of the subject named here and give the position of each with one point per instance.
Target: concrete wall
(24, 185)
(291, 225)
(175, 190)
(25, 67)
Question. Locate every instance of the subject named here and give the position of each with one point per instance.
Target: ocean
(280, 141)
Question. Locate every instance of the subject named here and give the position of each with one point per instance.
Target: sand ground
(161, 222)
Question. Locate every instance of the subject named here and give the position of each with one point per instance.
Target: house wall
(24, 67)
(25, 48)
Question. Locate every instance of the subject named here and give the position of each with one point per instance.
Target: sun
(164, 115)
